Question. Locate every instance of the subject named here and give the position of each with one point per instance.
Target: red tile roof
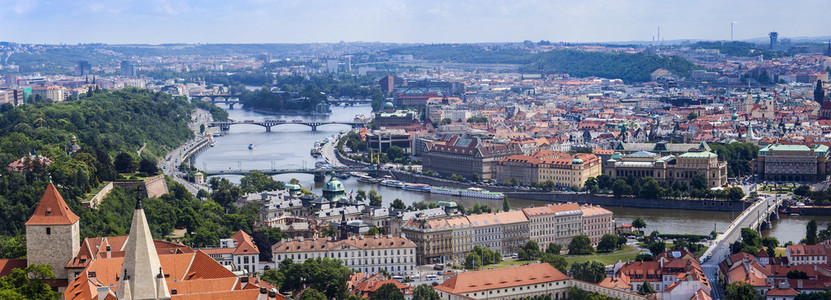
(501, 278)
(52, 210)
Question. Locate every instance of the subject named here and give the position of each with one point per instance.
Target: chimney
(174, 292)
(263, 294)
(300, 238)
(272, 295)
(109, 253)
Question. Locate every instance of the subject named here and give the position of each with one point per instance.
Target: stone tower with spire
(142, 276)
(53, 236)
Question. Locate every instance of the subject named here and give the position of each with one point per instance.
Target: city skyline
(263, 21)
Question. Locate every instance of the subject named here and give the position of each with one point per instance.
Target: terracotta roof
(782, 292)
(7, 265)
(245, 245)
(515, 216)
(95, 248)
(501, 278)
(52, 210)
(190, 273)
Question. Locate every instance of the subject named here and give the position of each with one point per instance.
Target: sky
(405, 21)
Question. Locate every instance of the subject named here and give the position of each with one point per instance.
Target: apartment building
(368, 254)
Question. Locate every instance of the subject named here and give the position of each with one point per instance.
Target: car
(438, 267)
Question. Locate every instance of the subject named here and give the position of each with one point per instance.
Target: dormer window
(49, 211)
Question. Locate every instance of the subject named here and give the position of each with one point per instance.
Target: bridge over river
(225, 126)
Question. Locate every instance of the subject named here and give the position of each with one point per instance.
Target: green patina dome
(333, 185)
(576, 161)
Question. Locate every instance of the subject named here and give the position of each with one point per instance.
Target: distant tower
(53, 236)
(773, 37)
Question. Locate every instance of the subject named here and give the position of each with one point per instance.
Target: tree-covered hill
(626, 66)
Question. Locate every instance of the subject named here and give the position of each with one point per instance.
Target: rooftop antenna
(659, 35)
(731, 29)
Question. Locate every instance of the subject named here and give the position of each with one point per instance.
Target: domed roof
(333, 185)
(616, 155)
(576, 161)
(734, 116)
(389, 105)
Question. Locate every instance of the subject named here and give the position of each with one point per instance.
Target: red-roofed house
(238, 251)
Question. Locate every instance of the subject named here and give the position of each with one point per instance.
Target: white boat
(417, 187)
(392, 183)
(471, 192)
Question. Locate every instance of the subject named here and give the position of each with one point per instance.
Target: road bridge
(758, 216)
(227, 99)
(225, 126)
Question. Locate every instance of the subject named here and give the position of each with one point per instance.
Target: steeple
(141, 266)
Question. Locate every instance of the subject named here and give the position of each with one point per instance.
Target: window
(48, 231)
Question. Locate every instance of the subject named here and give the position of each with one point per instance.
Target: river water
(287, 146)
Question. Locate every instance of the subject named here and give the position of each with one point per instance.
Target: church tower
(141, 276)
(53, 236)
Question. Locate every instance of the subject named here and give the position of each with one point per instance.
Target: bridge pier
(267, 128)
(230, 105)
(320, 177)
(314, 127)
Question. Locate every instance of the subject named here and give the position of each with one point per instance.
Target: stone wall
(56, 248)
(96, 200)
(154, 186)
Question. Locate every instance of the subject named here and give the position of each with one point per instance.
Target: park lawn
(506, 264)
(624, 254)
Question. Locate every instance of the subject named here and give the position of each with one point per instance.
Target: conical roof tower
(141, 267)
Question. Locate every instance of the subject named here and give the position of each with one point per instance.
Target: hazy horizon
(409, 21)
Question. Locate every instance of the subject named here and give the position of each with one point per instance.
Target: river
(287, 146)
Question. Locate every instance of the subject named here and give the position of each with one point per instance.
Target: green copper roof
(790, 148)
(703, 154)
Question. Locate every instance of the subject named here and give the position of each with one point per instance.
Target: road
(328, 153)
(170, 163)
(720, 247)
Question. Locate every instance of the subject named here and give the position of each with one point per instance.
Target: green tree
(312, 294)
(591, 271)
(692, 116)
(620, 188)
(638, 223)
(396, 153)
(741, 291)
(608, 243)
(644, 257)
(425, 292)
(556, 261)
(29, 283)
(579, 245)
(257, 181)
(811, 232)
(473, 261)
(446, 121)
(388, 291)
(326, 275)
(124, 163)
(505, 206)
(657, 247)
(554, 248)
(699, 181)
(360, 195)
(651, 189)
(529, 251)
(398, 204)
(646, 289)
(13, 246)
(375, 199)
(147, 166)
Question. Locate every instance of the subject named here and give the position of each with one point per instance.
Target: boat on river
(251, 146)
(470, 192)
(392, 183)
(417, 187)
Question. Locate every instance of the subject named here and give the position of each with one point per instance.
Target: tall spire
(141, 263)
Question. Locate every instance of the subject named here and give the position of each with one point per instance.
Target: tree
(505, 206)
(811, 232)
(312, 294)
(124, 163)
(12, 246)
(473, 261)
(395, 153)
(699, 181)
(557, 261)
(638, 223)
(29, 283)
(651, 189)
(375, 199)
(475, 177)
(802, 190)
(425, 292)
(554, 248)
(529, 251)
(620, 188)
(608, 243)
(388, 291)
(741, 291)
(580, 244)
(360, 195)
(398, 204)
(644, 257)
(147, 166)
(257, 181)
(446, 121)
(646, 289)
(591, 271)
(657, 247)
(692, 116)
